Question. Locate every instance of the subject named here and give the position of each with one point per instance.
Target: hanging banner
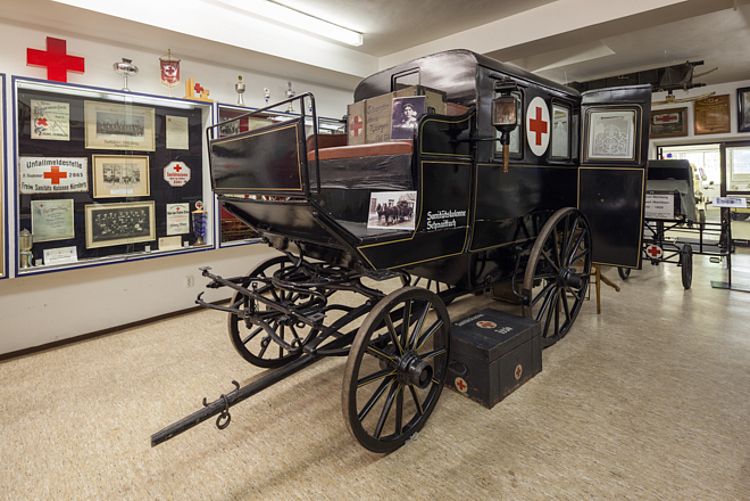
(170, 71)
(52, 174)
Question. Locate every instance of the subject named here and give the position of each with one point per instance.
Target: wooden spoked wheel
(396, 368)
(252, 339)
(557, 273)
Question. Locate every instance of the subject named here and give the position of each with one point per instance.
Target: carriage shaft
(234, 397)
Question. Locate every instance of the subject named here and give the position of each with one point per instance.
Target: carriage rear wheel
(251, 340)
(396, 368)
(686, 263)
(557, 274)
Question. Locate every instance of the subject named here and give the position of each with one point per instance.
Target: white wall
(39, 309)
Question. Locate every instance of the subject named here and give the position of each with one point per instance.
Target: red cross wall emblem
(56, 59)
(537, 126)
(55, 174)
(355, 125)
(654, 251)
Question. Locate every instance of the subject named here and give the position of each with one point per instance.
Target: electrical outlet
(189, 281)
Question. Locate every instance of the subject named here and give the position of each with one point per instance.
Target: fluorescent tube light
(291, 17)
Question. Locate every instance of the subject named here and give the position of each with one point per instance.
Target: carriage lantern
(505, 119)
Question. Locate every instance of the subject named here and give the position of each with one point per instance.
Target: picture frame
(123, 223)
(117, 176)
(712, 115)
(113, 126)
(52, 219)
(743, 109)
(610, 134)
(669, 122)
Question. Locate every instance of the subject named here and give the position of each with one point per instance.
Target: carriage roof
(455, 72)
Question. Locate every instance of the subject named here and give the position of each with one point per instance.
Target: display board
(3, 177)
(105, 175)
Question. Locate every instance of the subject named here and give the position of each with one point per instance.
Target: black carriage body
(471, 218)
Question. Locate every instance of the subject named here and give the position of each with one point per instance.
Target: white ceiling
(721, 38)
(392, 25)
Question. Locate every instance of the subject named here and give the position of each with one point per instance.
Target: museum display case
(3, 184)
(106, 176)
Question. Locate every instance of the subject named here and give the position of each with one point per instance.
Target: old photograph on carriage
(392, 210)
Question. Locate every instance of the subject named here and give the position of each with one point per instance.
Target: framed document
(50, 120)
(743, 109)
(52, 220)
(611, 134)
(671, 122)
(112, 126)
(119, 224)
(712, 115)
(121, 176)
(177, 133)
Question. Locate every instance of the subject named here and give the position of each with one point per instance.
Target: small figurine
(290, 94)
(194, 90)
(199, 223)
(267, 94)
(239, 86)
(127, 69)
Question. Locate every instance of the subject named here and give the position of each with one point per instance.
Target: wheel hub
(415, 371)
(571, 278)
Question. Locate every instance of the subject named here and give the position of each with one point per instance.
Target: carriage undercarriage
(287, 314)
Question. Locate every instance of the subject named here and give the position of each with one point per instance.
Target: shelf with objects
(232, 231)
(3, 177)
(105, 176)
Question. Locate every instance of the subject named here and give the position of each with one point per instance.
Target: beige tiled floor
(648, 400)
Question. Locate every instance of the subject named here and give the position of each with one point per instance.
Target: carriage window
(515, 135)
(560, 132)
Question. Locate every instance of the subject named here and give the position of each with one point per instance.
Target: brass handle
(506, 159)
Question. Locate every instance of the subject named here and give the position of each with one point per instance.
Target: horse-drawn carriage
(571, 193)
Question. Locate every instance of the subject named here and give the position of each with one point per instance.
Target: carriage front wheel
(557, 273)
(396, 368)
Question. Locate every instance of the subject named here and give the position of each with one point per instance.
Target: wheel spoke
(566, 306)
(281, 348)
(375, 352)
(545, 304)
(415, 397)
(399, 409)
(264, 346)
(406, 320)
(550, 261)
(386, 409)
(394, 335)
(361, 415)
(544, 291)
(433, 353)
(252, 335)
(557, 315)
(375, 376)
(556, 246)
(418, 326)
(296, 335)
(428, 333)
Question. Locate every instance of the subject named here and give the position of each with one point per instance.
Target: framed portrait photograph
(743, 109)
(611, 134)
(119, 224)
(670, 122)
(112, 126)
(121, 176)
(712, 115)
(52, 220)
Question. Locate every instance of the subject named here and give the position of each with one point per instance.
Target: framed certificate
(52, 220)
(121, 176)
(119, 224)
(112, 126)
(712, 115)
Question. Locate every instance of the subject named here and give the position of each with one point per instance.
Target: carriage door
(612, 176)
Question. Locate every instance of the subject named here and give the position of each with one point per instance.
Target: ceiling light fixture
(282, 14)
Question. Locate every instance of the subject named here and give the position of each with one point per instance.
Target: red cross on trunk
(55, 175)
(55, 59)
(356, 125)
(538, 126)
(460, 385)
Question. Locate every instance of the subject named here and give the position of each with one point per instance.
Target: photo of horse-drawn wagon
(520, 202)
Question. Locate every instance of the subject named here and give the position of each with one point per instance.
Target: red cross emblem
(198, 88)
(41, 121)
(55, 59)
(538, 126)
(177, 168)
(461, 385)
(55, 175)
(654, 251)
(356, 125)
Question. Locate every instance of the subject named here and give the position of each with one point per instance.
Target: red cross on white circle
(654, 251)
(461, 385)
(537, 126)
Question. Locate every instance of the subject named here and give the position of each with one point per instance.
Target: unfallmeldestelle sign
(53, 174)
